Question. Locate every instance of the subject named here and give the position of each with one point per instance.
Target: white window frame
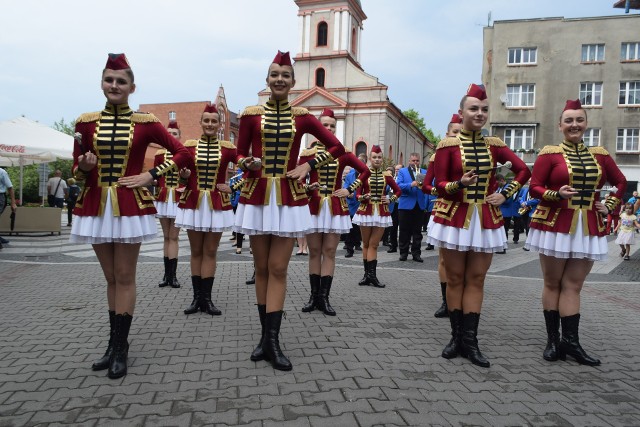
(591, 94)
(520, 138)
(630, 51)
(172, 116)
(591, 137)
(521, 95)
(522, 56)
(593, 52)
(627, 140)
(626, 90)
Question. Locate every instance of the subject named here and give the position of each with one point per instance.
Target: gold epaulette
(161, 152)
(551, 149)
(309, 152)
(299, 111)
(448, 142)
(143, 118)
(494, 141)
(432, 158)
(254, 110)
(191, 143)
(227, 144)
(598, 150)
(386, 173)
(88, 117)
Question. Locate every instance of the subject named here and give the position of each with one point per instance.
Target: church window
(323, 31)
(320, 77)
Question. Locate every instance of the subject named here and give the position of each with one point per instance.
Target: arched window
(354, 42)
(361, 148)
(320, 77)
(390, 152)
(323, 31)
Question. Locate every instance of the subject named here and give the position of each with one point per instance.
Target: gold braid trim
(494, 141)
(238, 184)
(143, 118)
(254, 110)
(191, 143)
(227, 144)
(309, 152)
(598, 150)
(551, 149)
(510, 189)
(552, 196)
(393, 198)
(299, 111)
(88, 117)
(452, 187)
(611, 203)
(354, 185)
(448, 142)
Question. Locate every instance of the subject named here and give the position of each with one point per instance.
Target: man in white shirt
(56, 190)
(6, 187)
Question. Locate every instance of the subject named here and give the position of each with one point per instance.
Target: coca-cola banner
(12, 148)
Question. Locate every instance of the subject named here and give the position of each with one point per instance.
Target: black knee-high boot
(365, 279)
(552, 321)
(373, 275)
(452, 349)
(174, 283)
(443, 311)
(195, 304)
(206, 305)
(167, 273)
(570, 342)
(314, 280)
(103, 362)
(118, 360)
(258, 352)
(469, 347)
(323, 296)
(271, 343)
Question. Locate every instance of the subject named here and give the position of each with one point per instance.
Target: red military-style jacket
(329, 176)
(427, 184)
(119, 138)
(167, 183)
(471, 151)
(272, 132)
(211, 157)
(586, 169)
(375, 186)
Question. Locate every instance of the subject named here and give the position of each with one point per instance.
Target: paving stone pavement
(376, 363)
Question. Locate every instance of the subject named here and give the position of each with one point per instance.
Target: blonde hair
(71, 181)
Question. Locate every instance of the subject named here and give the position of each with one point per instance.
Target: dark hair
(129, 72)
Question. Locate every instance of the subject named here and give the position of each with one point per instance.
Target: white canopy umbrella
(26, 142)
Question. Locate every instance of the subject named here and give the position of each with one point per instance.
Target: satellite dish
(503, 98)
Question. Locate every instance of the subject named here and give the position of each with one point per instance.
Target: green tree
(418, 121)
(68, 128)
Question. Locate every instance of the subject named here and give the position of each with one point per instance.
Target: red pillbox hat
(282, 58)
(456, 118)
(376, 149)
(572, 105)
(210, 108)
(117, 61)
(477, 91)
(173, 125)
(327, 113)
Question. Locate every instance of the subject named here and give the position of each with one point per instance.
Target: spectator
(56, 190)
(6, 187)
(72, 198)
(411, 207)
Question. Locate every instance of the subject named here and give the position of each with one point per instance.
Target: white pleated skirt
(167, 209)
(326, 222)
(375, 220)
(110, 229)
(282, 221)
(475, 238)
(565, 245)
(204, 219)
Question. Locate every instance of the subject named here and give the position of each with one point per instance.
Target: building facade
(532, 66)
(328, 74)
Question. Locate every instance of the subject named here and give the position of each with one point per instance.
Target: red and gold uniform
(119, 137)
(374, 211)
(167, 195)
(202, 206)
(271, 203)
(572, 228)
(462, 220)
(329, 213)
(427, 184)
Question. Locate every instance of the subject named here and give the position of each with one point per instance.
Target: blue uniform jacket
(410, 195)
(352, 202)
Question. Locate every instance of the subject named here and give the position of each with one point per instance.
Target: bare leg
(575, 273)
(125, 263)
(315, 243)
(552, 271)
(196, 243)
(365, 232)
(330, 243)
(104, 253)
(455, 272)
(478, 264)
(210, 244)
(374, 241)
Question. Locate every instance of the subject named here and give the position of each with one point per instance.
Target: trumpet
(524, 210)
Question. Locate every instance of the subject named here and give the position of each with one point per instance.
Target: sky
(426, 51)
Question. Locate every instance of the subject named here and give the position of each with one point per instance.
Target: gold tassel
(254, 110)
(88, 117)
(494, 141)
(299, 111)
(227, 144)
(144, 118)
(598, 150)
(551, 149)
(191, 143)
(448, 142)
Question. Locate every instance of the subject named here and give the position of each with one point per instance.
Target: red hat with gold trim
(477, 91)
(117, 61)
(210, 108)
(456, 118)
(173, 125)
(327, 112)
(376, 149)
(572, 105)
(282, 58)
